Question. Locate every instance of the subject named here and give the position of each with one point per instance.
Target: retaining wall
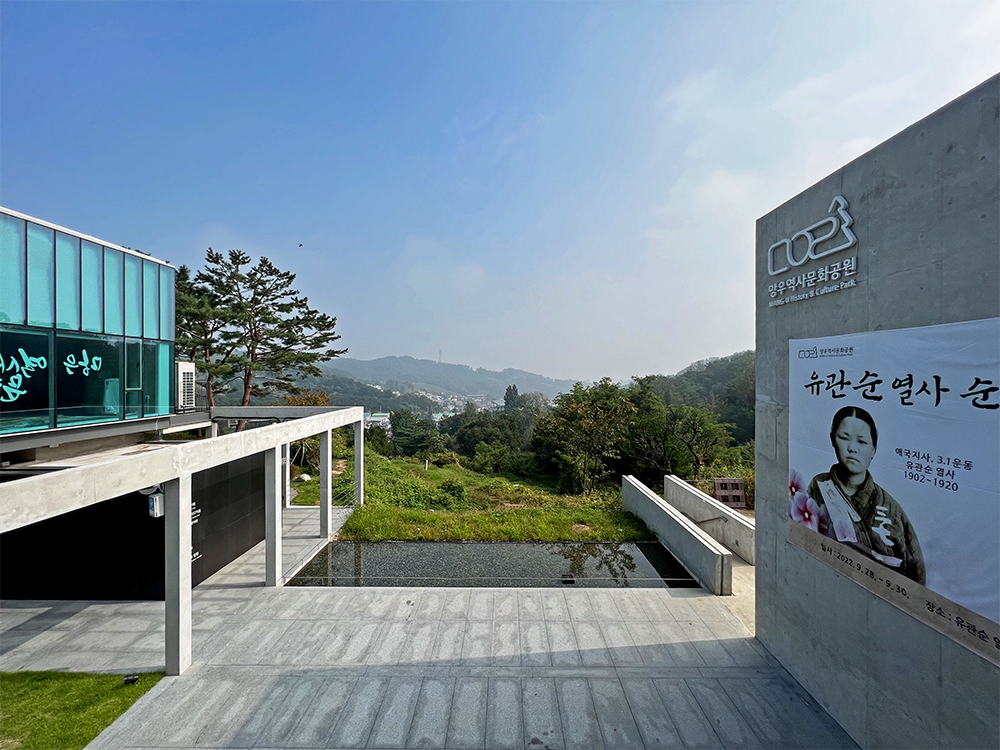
(727, 526)
(705, 559)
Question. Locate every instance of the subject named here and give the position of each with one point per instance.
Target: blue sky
(567, 188)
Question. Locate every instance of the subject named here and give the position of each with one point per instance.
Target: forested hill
(345, 391)
(724, 385)
(406, 373)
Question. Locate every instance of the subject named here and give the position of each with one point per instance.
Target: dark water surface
(529, 564)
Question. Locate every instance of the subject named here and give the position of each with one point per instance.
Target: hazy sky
(566, 188)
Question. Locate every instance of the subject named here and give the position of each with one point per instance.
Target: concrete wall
(926, 205)
(705, 559)
(727, 526)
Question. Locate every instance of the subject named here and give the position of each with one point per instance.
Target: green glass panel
(166, 384)
(67, 282)
(133, 364)
(92, 286)
(150, 299)
(167, 322)
(13, 270)
(88, 379)
(25, 369)
(155, 378)
(114, 284)
(150, 373)
(133, 295)
(133, 404)
(41, 275)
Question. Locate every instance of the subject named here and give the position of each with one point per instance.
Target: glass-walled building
(86, 329)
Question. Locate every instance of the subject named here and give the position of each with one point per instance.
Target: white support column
(286, 475)
(272, 517)
(325, 478)
(359, 463)
(177, 586)
(213, 431)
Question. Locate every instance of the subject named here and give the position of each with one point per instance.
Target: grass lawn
(406, 502)
(382, 523)
(63, 710)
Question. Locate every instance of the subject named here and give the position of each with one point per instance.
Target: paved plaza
(429, 667)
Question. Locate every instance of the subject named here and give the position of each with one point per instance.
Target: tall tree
(271, 335)
(700, 431)
(511, 399)
(651, 448)
(411, 435)
(585, 429)
(201, 321)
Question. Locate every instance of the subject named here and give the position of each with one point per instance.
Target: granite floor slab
(301, 667)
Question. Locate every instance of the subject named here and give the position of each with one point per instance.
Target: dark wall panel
(227, 514)
(111, 550)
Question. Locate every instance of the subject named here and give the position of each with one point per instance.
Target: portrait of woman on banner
(847, 505)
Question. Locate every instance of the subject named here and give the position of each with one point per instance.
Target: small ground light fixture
(131, 679)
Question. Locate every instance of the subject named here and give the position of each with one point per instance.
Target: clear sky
(566, 188)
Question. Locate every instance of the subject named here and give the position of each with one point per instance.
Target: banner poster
(894, 469)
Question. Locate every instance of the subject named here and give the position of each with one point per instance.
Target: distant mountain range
(399, 373)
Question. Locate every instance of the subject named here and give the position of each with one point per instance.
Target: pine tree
(265, 334)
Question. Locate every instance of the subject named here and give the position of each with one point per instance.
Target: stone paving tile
(392, 724)
(730, 727)
(563, 646)
(504, 721)
(506, 643)
(579, 719)
(614, 715)
(706, 644)
(529, 605)
(429, 727)
(467, 722)
(542, 725)
(693, 727)
(447, 649)
(481, 604)
(651, 717)
(593, 650)
(456, 604)
(554, 604)
(505, 604)
(321, 714)
(359, 714)
(603, 604)
(579, 605)
(534, 645)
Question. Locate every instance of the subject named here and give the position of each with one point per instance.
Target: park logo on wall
(792, 259)
(894, 469)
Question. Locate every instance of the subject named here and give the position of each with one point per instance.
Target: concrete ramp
(703, 557)
(722, 523)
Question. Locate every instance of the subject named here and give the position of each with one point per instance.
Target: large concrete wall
(926, 205)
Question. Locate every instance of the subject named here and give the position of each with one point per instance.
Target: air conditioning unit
(185, 386)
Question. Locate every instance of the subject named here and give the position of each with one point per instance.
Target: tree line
(591, 433)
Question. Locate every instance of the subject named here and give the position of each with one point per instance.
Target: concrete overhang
(32, 499)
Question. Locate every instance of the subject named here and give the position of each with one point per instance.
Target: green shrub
(454, 488)
(492, 458)
(448, 458)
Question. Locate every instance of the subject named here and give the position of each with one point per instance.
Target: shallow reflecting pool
(530, 564)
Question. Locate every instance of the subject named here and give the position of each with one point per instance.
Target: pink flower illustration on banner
(803, 509)
(796, 483)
